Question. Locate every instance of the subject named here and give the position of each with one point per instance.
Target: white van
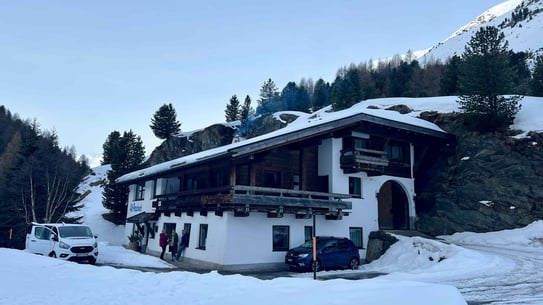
(72, 242)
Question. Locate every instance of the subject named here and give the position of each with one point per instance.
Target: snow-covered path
(522, 284)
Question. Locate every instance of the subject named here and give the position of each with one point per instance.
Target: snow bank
(42, 280)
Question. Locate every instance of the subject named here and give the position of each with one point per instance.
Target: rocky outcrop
(268, 123)
(492, 182)
(215, 136)
(378, 244)
(177, 147)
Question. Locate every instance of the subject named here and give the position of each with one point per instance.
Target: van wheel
(53, 255)
(354, 264)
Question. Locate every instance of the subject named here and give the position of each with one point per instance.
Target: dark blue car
(332, 252)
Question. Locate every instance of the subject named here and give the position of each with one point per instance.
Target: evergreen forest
(38, 180)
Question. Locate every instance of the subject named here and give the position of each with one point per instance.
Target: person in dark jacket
(163, 242)
(174, 240)
(182, 245)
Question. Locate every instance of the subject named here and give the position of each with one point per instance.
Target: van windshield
(75, 231)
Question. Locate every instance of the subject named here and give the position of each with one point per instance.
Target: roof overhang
(328, 127)
(141, 217)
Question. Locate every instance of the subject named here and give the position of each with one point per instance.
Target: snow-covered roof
(304, 121)
(528, 119)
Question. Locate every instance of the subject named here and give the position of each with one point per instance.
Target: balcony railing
(253, 198)
(363, 159)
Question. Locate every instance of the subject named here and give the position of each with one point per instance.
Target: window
(280, 238)
(202, 237)
(355, 187)
(398, 152)
(140, 191)
(186, 228)
(308, 233)
(42, 233)
(152, 228)
(342, 244)
(153, 191)
(192, 184)
(355, 234)
(170, 185)
(296, 182)
(356, 142)
(360, 143)
(168, 227)
(324, 184)
(272, 179)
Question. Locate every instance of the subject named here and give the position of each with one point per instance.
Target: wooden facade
(278, 181)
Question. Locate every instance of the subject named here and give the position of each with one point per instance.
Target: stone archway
(393, 207)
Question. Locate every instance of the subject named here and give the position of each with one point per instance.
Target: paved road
(263, 275)
(521, 285)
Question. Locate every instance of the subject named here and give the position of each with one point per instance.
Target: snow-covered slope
(525, 35)
(488, 16)
(92, 210)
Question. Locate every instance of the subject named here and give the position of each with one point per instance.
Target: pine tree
(128, 158)
(485, 77)
(347, 88)
(111, 148)
(521, 72)
(339, 94)
(288, 96)
(536, 83)
(321, 95)
(233, 109)
(448, 84)
(303, 100)
(246, 110)
(164, 122)
(269, 101)
(355, 93)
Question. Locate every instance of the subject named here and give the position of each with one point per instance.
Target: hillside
(520, 21)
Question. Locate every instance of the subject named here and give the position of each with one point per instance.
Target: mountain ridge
(523, 35)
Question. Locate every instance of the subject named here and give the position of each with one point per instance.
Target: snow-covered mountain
(520, 20)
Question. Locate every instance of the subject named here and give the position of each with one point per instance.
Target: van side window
(42, 233)
(38, 232)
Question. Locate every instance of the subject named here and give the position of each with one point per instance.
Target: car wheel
(92, 260)
(53, 255)
(316, 266)
(354, 264)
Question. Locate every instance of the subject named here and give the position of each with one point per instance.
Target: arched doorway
(393, 207)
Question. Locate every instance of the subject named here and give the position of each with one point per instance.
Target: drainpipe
(314, 247)
(412, 158)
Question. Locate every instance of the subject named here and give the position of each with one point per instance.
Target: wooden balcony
(363, 160)
(245, 199)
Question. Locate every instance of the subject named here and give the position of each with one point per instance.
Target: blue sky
(86, 68)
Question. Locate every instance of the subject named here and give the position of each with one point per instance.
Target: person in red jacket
(163, 242)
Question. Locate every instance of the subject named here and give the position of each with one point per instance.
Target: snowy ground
(499, 268)
(493, 268)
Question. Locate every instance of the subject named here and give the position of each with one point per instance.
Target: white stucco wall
(248, 240)
(364, 210)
